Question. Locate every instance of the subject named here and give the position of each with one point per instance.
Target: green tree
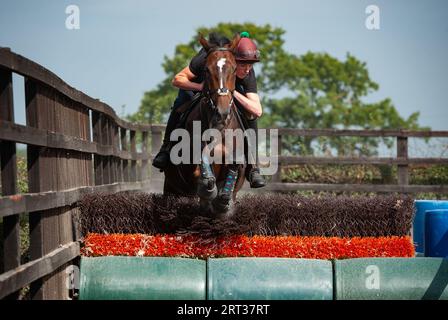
(157, 102)
(317, 91)
(324, 92)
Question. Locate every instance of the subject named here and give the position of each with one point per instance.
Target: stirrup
(162, 158)
(259, 181)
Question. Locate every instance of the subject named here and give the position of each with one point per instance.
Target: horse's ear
(235, 41)
(204, 42)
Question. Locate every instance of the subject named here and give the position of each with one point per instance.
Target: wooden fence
(402, 161)
(76, 145)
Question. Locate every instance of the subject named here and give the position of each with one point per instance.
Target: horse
(215, 110)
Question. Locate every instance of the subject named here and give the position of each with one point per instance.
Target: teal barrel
(391, 279)
(142, 278)
(269, 279)
(436, 233)
(418, 225)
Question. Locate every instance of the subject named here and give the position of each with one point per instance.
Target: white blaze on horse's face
(221, 62)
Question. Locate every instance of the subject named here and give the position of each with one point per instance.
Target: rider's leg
(253, 175)
(162, 159)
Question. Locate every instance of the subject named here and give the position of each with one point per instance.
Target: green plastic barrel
(391, 279)
(142, 278)
(269, 279)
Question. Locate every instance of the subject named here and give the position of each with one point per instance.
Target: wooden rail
(360, 133)
(402, 161)
(75, 145)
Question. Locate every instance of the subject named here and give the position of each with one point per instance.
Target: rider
(191, 80)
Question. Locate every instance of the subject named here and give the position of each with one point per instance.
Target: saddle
(187, 108)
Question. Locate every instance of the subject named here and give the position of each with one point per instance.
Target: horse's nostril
(211, 184)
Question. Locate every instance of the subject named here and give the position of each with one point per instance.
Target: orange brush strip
(244, 246)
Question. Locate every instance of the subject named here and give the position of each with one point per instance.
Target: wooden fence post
(111, 142)
(35, 168)
(11, 224)
(133, 174)
(144, 171)
(138, 163)
(402, 152)
(117, 162)
(105, 143)
(277, 176)
(124, 162)
(97, 138)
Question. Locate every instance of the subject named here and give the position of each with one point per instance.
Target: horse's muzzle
(207, 189)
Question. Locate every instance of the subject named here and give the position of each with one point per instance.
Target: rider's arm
(250, 102)
(183, 80)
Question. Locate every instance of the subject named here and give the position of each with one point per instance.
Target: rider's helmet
(246, 51)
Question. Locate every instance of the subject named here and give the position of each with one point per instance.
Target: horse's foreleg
(223, 201)
(205, 206)
(206, 182)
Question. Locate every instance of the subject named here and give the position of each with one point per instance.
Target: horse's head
(219, 82)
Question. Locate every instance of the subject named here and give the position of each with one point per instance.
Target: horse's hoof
(221, 205)
(206, 207)
(207, 190)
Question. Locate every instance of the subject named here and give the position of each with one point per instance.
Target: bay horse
(215, 110)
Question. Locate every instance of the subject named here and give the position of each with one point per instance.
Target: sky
(117, 52)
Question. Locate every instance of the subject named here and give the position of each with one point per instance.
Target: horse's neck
(234, 122)
(198, 113)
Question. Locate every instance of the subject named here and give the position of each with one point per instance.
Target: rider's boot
(162, 159)
(253, 174)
